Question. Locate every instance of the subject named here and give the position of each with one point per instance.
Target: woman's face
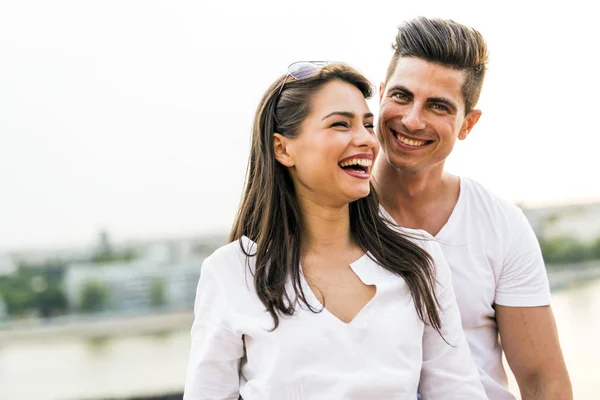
(331, 158)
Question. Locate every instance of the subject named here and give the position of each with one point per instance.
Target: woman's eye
(369, 126)
(341, 124)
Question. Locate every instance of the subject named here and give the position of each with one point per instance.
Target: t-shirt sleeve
(216, 349)
(448, 370)
(523, 281)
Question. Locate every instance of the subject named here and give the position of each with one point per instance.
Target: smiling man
(427, 102)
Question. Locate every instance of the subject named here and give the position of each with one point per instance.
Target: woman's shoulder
(231, 259)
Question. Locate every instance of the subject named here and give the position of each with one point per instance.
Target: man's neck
(421, 199)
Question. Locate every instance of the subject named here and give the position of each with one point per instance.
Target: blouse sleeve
(448, 370)
(216, 349)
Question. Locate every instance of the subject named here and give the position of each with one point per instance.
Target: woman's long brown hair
(270, 216)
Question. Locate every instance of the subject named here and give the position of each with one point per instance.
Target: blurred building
(579, 221)
(165, 276)
(135, 286)
(104, 244)
(7, 265)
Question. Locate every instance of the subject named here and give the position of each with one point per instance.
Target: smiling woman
(316, 280)
(338, 130)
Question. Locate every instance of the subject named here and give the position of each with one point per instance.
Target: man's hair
(448, 43)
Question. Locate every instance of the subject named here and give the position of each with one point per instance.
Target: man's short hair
(447, 43)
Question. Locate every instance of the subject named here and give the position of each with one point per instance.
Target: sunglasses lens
(302, 70)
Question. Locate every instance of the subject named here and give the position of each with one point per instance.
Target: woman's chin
(358, 194)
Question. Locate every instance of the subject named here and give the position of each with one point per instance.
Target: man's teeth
(410, 142)
(357, 161)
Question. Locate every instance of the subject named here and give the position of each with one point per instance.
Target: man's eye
(440, 107)
(369, 126)
(340, 124)
(400, 96)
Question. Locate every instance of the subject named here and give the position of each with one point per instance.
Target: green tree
(51, 301)
(35, 286)
(563, 250)
(595, 249)
(47, 285)
(158, 295)
(94, 296)
(17, 292)
(18, 301)
(111, 256)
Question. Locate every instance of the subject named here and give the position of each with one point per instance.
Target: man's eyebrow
(439, 100)
(443, 100)
(400, 88)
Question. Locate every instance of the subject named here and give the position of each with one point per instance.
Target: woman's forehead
(338, 96)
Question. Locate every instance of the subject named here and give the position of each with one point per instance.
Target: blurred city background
(113, 320)
(124, 131)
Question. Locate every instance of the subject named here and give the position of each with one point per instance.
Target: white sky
(134, 116)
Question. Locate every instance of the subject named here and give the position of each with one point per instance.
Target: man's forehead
(425, 77)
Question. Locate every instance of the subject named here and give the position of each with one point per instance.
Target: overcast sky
(134, 116)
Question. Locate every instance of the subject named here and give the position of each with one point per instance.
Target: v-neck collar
(368, 272)
(453, 215)
(455, 211)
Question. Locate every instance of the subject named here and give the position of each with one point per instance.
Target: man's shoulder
(419, 236)
(481, 200)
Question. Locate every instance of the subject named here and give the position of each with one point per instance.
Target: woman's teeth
(357, 161)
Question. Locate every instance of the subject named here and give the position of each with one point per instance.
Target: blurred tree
(111, 256)
(158, 296)
(18, 300)
(130, 254)
(595, 249)
(51, 301)
(17, 292)
(94, 296)
(563, 250)
(35, 286)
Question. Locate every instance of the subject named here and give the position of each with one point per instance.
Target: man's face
(422, 114)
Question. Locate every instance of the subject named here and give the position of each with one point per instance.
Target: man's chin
(402, 162)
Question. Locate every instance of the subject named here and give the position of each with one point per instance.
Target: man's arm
(530, 341)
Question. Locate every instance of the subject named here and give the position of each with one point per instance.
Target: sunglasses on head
(302, 69)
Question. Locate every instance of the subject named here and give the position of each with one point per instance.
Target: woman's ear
(282, 147)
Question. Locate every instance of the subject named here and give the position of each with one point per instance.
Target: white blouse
(385, 352)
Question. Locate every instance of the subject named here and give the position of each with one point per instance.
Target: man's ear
(282, 149)
(468, 124)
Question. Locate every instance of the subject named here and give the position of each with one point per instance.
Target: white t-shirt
(384, 353)
(495, 259)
